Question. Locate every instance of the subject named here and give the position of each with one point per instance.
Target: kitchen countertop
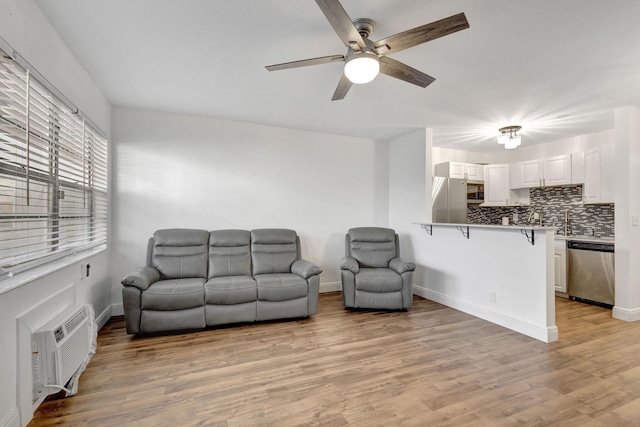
(586, 238)
(522, 227)
(495, 226)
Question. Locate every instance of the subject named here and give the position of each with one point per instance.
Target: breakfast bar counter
(500, 273)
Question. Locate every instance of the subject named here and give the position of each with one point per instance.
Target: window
(53, 174)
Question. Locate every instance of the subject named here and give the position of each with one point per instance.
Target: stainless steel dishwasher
(591, 275)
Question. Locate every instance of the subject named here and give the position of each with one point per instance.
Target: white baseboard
(117, 310)
(330, 287)
(104, 317)
(626, 314)
(12, 419)
(539, 332)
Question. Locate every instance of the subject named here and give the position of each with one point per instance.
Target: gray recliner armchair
(373, 274)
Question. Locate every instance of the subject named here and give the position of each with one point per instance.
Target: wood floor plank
(431, 365)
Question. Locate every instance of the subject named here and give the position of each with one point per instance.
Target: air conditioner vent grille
(74, 321)
(72, 353)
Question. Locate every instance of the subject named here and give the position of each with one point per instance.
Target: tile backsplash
(552, 203)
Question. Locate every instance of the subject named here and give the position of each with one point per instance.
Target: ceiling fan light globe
(362, 68)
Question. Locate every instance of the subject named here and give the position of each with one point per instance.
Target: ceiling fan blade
(305, 62)
(401, 71)
(423, 34)
(341, 23)
(343, 87)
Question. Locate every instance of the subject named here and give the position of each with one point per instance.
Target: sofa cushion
(372, 246)
(280, 287)
(180, 253)
(378, 280)
(229, 253)
(174, 294)
(273, 250)
(230, 290)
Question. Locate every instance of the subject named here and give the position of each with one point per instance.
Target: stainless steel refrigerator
(449, 200)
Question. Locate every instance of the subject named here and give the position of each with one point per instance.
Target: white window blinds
(53, 174)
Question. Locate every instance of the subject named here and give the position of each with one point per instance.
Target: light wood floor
(429, 366)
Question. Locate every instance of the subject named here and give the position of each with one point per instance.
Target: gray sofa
(372, 272)
(197, 278)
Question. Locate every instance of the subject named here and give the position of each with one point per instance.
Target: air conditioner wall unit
(58, 349)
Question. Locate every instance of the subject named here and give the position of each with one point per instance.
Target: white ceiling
(525, 62)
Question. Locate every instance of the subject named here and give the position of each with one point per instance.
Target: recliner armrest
(400, 265)
(349, 263)
(304, 268)
(142, 278)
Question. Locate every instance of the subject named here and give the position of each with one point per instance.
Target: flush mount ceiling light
(362, 67)
(509, 137)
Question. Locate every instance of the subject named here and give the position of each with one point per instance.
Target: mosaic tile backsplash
(552, 203)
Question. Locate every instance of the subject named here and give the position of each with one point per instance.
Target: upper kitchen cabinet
(539, 173)
(599, 175)
(474, 172)
(577, 168)
(556, 170)
(468, 171)
(526, 174)
(497, 190)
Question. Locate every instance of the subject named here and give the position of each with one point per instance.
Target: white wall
(627, 161)
(410, 189)
(23, 26)
(442, 155)
(195, 172)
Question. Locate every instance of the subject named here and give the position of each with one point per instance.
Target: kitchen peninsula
(503, 274)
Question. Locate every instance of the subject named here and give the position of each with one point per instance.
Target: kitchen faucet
(533, 214)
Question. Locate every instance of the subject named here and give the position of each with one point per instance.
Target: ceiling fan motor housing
(365, 26)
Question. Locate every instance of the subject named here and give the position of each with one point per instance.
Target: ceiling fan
(364, 58)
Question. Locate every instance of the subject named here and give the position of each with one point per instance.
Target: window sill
(9, 283)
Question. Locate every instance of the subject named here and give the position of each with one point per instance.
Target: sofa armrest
(304, 268)
(400, 265)
(349, 263)
(142, 278)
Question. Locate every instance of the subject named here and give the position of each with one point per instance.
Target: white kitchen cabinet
(577, 168)
(560, 261)
(459, 170)
(497, 190)
(556, 170)
(541, 172)
(526, 174)
(474, 172)
(599, 175)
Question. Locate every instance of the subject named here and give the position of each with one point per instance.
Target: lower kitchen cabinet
(560, 260)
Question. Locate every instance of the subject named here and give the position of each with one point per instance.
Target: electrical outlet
(85, 270)
(515, 217)
(492, 296)
(536, 215)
